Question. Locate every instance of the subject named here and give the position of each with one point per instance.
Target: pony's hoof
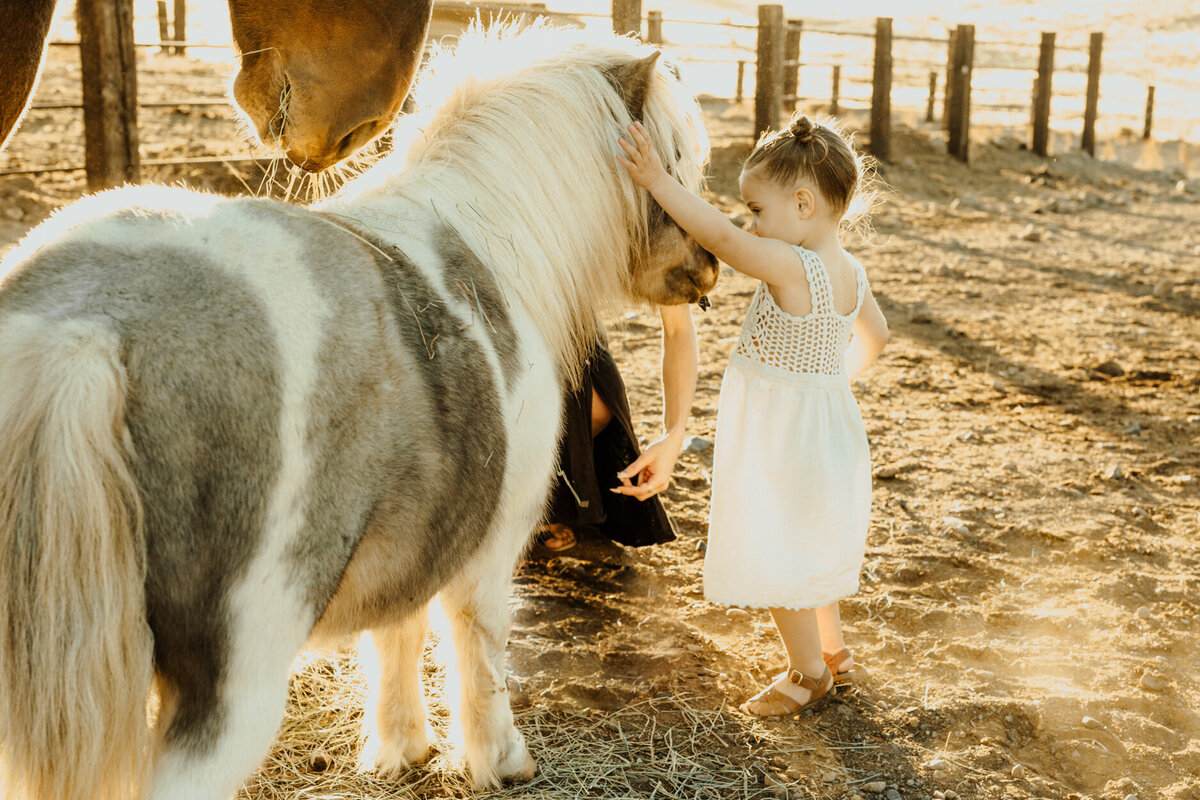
(517, 766)
(526, 773)
(393, 759)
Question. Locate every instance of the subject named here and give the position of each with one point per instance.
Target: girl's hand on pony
(643, 163)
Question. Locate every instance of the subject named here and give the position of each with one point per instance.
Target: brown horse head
(321, 78)
(23, 31)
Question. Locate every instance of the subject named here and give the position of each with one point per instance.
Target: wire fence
(832, 67)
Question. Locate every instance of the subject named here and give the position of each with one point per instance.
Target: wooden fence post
(1042, 92)
(952, 43)
(741, 78)
(881, 91)
(768, 76)
(654, 27)
(109, 92)
(835, 91)
(959, 118)
(1088, 139)
(932, 95)
(1149, 112)
(164, 25)
(180, 26)
(627, 17)
(791, 62)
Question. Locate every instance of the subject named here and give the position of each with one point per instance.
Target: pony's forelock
(492, 111)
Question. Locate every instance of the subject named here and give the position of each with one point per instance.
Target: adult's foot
(556, 538)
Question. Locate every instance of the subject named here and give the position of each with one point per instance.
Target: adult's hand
(652, 469)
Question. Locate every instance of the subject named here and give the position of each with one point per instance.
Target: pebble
(1154, 682)
(1114, 473)
(701, 545)
(696, 444)
(1134, 430)
(941, 775)
(1164, 288)
(951, 794)
(828, 777)
(910, 527)
(739, 614)
(875, 787)
(14, 213)
(956, 525)
(1030, 234)
(1143, 612)
(920, 312)
(1110, 368)
(1093, 723)
(892, 794)
(1131, 797)
(935, 763)
(939, 795)
(1018, 771)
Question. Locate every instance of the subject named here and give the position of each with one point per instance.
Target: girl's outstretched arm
(769, 260)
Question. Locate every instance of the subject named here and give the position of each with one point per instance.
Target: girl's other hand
(643, 163)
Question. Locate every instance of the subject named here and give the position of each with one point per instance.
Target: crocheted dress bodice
(813, 344)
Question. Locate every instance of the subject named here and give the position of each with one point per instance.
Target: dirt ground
(1026, 625)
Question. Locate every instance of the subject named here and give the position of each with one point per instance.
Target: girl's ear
(805, 202)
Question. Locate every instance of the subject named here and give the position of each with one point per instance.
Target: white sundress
(791, 496)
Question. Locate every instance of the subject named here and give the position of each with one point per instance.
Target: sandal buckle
(796, 677)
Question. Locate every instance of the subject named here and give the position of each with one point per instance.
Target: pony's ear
(632, 80)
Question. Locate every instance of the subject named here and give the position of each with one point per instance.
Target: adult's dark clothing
(588, 467)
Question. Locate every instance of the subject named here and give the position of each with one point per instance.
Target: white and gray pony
(230, 425)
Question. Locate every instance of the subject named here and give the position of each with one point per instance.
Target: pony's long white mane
(515, 149)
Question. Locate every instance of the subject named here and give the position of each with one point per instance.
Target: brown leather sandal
(833, 659)
(779, 704)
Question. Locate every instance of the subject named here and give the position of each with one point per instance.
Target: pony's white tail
(75, 648)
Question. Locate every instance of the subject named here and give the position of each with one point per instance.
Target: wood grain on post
(835, 91)
(109, 79)
(932, 95)
(180, 26)
(791, 62)
(164, 24)
(741, 80)
(1042, 93)
(654, 27)
(1149, 112)
(627, 17)
(1088, 140)
(768, 76)
(881, 91)
(959, 118)
(952, 43)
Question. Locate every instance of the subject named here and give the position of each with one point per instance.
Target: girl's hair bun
(803, 129)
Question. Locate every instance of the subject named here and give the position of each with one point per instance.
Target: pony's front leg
(476, 603)
(399, 708)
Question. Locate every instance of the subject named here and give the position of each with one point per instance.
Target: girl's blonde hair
(822, 151)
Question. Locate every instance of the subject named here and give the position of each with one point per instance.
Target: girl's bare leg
(802, 641)
(829, 620)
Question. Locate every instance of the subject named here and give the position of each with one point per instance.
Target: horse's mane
(515, 149)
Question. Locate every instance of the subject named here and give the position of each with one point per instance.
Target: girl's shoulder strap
(860, 282)
(819, 286)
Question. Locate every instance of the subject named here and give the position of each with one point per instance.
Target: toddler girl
(791, 492)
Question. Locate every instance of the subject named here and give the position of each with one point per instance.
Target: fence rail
(940, 72)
